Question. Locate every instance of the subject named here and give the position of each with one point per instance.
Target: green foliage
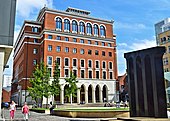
(40, 82)
(55, 86)
(72, 88)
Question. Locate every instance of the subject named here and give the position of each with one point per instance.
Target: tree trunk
(46, 102)
(71, 99)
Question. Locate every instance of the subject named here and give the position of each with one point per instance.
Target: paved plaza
(46, 117)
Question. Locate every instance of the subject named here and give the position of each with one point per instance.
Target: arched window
(67, 25)
(102, 31)
(89, 29)
(58, 23)
(74, 26)
(96, 30)
(82, 27)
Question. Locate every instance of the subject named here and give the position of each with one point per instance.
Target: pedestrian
(12, 109)
(25, 111)
(51, 108)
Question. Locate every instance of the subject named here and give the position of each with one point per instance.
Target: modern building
(80, 43)
(7, 80)
(7, 22)
(162, 30)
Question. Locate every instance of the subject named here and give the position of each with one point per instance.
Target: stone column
(101, 96)
(62, 96)
(93, 96)
(86, 96)
(78, 96)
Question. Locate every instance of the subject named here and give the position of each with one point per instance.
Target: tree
(55, 86)
(72, 87)
(40, 83)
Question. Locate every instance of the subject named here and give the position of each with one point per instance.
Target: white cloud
(120, 25)
(124, 48)
(26, 7)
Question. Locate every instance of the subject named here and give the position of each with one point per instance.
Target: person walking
(12, 109)
(25, 111)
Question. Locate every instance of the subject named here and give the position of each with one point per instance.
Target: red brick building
(80, 43)
(6, 94)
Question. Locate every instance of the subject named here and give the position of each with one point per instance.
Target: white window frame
(60, 60)
(51, 71)
(35, 51)
(112, 75)
(76, 63)
(95, 64)
(109, 65)
(92, 73)
(99, 74)
(76, 70)
(84, 63)
(91, 63)
(84, 73)
(102, 73)
(68, 62)
(47, 60)
(68, 72)
(105, 65)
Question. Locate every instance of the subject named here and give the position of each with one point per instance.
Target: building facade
(79, 43)
(162, 30)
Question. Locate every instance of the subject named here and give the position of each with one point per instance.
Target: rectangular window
(66, 61)
(74, 62)
(90, 63)
(66, 72)
(96, 52)
(89, 52)
(104, 74)
(104, 64)
(35, 51)
(90, 74)
(82, 63)
(75, 73)
(34, 29)
(97, 64)
(50, 71)
(109, 45)
(58, 48)
(97, 74)
(103, 43)
(66, 39)
(58, 37)
(82, 41)
(50, 36)
(110, 54)
(49, 47)
(110, 65)
(103, 53)
(66, 49)
(74, 50)
(34, 62)
(82, 51)
(96, 43)
(49, 60)
(35, 40)
(89, 41)
(74, 40)
(111, 75)
(58, 61)
(82, 73)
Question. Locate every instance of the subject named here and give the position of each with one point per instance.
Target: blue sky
(133, 20)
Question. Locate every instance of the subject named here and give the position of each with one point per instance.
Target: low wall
(90, 114)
